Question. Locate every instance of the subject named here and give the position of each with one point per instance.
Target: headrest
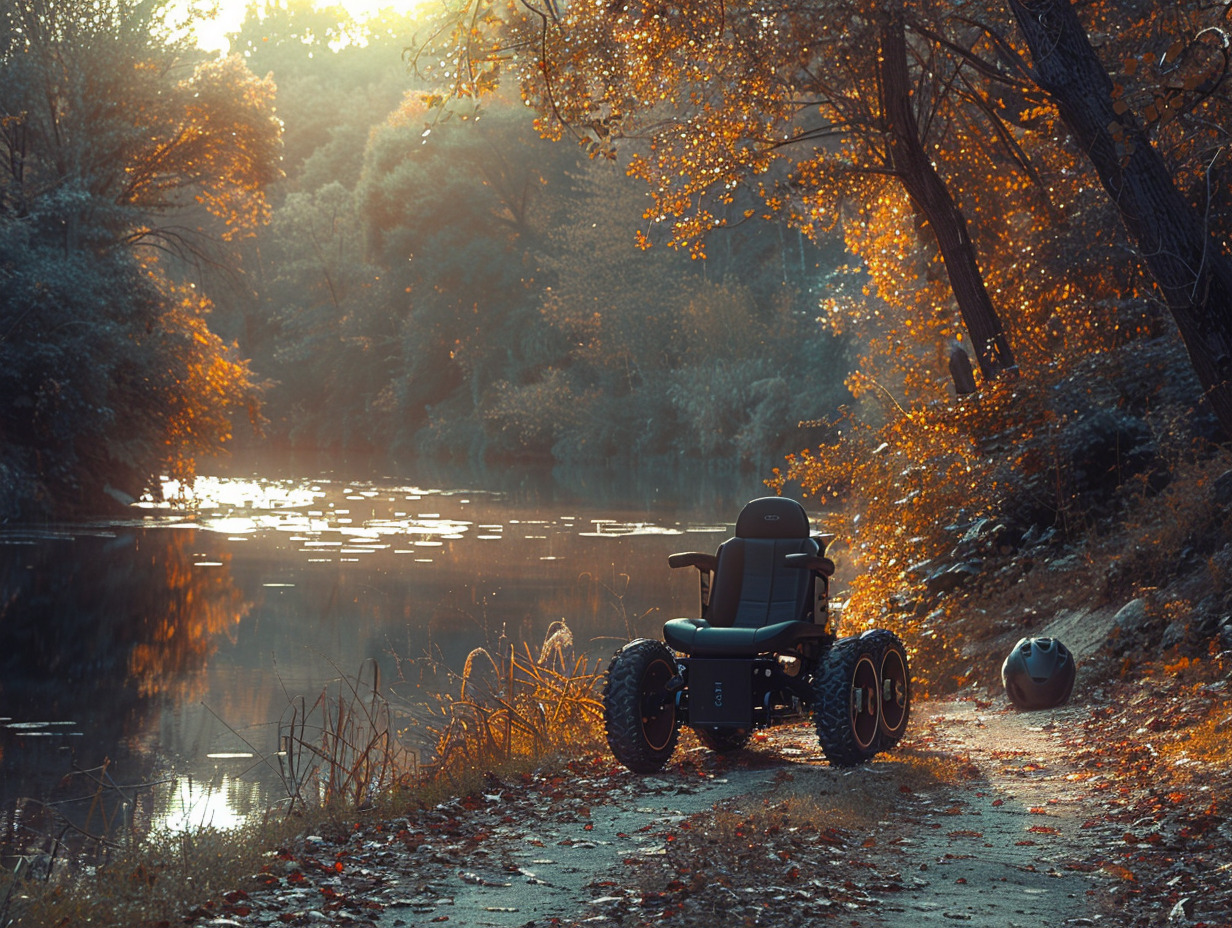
(772, 517)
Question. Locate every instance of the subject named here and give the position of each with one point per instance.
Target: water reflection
(98, 630)
(169, 644)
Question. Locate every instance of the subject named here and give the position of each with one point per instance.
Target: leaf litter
(984, 816)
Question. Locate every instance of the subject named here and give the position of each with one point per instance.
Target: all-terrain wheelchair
(762, 653)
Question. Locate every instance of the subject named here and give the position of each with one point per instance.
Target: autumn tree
(913, 167)
(1173, 230)
(1106, 415)
(117, 152)
(806, 104)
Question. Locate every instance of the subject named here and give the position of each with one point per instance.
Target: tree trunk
(931, 197)
(1193, 274)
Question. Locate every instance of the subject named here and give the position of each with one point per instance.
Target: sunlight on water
(219, 492)
(212, 607)
(41, 729)
(194, 804)
(608, 528)
(321, 515)
(348, 521)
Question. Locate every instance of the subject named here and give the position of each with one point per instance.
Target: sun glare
(212, 33)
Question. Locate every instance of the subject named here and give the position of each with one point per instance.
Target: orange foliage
(230, 141)
(899, 491)
(215, 135)
(211, 382)
(733, 110)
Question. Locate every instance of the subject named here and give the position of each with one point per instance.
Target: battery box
(721, 692)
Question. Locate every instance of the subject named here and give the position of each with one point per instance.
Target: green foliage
(112, 373)
(336, 325)
(478, 293)
(448, 283)
(698, 368)
(116, 153)
(336, 79)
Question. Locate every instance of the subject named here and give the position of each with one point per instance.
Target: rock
(1035, 535)
(1174, 634)
(1131, 616)
(1067, 563)
(1223, 489)
(1225, 633)
(952, 577)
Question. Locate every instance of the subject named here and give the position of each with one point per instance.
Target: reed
(342, 749)
(517, 709)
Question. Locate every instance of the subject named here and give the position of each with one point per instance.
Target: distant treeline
(294, 235)
(460, 286)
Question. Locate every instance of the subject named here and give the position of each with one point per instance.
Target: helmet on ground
(1038, 673)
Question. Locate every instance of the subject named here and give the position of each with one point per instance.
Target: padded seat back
(752, 587)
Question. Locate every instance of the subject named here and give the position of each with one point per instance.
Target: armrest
(692, 559)
(814, 562)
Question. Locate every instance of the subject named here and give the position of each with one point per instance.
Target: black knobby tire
(638, 711)
(846, 704)
(722, 740)
(894, 676)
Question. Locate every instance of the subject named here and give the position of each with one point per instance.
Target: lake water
(168, 643)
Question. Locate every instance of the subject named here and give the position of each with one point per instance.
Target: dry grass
(518, 711)
(151, 883)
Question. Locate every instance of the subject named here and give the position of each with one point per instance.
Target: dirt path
(980, 818)
(541, 854)
(1008, 844)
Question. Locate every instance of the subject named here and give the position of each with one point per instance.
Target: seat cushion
(701, 639)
